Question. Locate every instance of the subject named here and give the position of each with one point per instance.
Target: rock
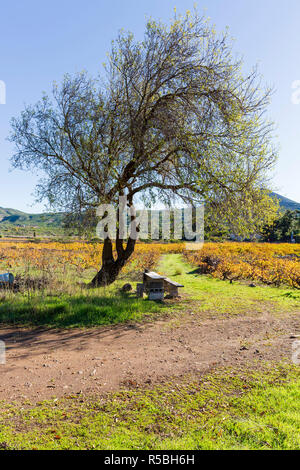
(126, 288)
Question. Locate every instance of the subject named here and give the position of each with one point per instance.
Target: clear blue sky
(41, 40)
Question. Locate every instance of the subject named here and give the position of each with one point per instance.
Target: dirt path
(44, 363)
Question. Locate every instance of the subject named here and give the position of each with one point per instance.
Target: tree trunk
(111, 267)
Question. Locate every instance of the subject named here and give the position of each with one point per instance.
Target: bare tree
(173, 117)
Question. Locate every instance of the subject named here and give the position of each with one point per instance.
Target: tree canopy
(284, 228)
(173, 117)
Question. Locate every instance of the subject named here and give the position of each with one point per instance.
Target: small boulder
(126, 288)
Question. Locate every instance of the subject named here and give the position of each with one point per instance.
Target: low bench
(155, 286)
(172, 287)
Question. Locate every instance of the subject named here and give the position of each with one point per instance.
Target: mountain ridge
(19, 222)
(286, 203)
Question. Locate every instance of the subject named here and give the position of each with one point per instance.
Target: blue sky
(40, 41)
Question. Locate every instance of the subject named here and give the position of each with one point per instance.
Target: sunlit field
(240, 405)
(52, 281)
(149, 123)
(272, 264)
(228, 410)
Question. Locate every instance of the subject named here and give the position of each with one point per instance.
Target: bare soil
(41, 363)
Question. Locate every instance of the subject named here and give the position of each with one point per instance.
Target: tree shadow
(73, 323)
(195, 271)
(77, 311)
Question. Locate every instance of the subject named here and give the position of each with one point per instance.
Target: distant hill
(285, 203)
(14, 222)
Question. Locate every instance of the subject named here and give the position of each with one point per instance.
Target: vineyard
(69, 344)
(273, 264)
(59, 264)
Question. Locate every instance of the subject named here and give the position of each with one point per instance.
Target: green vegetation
(257, 407)
(242, 409)
(174, 118)
(87, 307)
(284, 228)
(78, 310)
(182, 121)
(17, 223)
(218, 297)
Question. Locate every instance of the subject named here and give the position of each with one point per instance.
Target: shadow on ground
(77, 311)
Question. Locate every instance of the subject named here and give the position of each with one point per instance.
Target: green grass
(78, 310)
(243, 409)
(207, 294)
(202, 295)
(230, 409)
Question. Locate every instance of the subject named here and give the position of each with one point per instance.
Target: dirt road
(45, 363)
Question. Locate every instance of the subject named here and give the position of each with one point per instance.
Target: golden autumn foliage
(273, 264)
(81, 255)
